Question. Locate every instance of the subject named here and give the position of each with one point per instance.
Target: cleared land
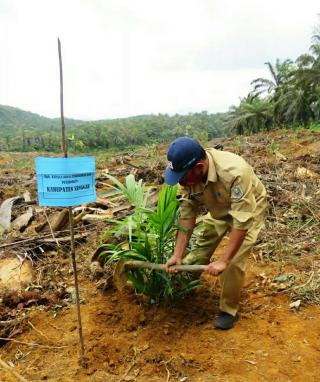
(127, 338)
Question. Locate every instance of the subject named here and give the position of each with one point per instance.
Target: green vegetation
(149, 236)
(23, 131)
(273, 147)
(289, 99)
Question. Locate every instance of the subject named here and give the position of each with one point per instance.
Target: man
(236, 200)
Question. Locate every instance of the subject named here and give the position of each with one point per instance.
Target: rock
(296, 304)
(281, 278)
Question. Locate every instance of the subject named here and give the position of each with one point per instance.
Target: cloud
(124, 57)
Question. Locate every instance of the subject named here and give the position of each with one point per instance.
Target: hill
(19, 128)
(24, 131)
(13, 119)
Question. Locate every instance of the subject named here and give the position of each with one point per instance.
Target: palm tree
(300, 102)
(280, 73)
(252, 115)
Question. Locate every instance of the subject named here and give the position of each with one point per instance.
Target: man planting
(236, 200)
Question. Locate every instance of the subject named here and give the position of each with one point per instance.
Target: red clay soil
(127, 339)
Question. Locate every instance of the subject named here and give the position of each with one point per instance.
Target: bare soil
(129, 339)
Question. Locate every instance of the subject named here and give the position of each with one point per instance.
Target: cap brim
(173, 177)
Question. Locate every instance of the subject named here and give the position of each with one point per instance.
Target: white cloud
(128, 57)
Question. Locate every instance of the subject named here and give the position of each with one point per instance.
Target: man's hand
(216, 267)
(236, 239)
(174, 260)
(183, 237)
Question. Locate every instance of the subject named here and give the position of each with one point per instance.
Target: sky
(132, 57)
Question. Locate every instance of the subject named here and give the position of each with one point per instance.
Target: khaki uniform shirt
(232, 192)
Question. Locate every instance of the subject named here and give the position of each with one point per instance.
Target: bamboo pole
(73, 253)
(63, 128)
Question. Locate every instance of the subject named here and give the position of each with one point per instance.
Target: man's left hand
(216, 267)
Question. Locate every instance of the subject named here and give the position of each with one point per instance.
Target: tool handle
(161, 267)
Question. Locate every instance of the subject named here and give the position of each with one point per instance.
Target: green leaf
(151, 237)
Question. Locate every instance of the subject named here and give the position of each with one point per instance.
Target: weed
(273, 147)
(314, 127)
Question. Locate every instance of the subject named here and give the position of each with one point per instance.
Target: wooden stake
(63, 135)
(73, 254)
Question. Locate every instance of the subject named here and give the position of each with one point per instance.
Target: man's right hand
(174, 260)
(181, 243)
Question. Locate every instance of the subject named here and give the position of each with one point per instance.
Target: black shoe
(225, 320)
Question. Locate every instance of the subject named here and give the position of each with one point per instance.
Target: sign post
(66, 182)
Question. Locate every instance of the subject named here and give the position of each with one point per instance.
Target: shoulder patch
(236, 193)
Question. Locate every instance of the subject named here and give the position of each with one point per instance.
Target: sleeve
(188, 207)
(243, 203)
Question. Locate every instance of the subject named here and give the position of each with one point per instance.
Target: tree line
(115, 134)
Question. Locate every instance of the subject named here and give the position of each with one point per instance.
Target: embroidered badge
(170, 165)
(236, 193)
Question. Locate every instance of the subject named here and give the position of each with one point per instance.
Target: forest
(23, 131)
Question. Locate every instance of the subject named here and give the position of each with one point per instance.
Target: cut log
(60, 220)
(5, 213)
(14, 273)
(65, 238)
(24, 219)
(57, 221)
(95, 218)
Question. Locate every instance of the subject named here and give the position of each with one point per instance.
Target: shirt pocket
(221, 195)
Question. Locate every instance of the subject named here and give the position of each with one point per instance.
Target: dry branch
(13, 372)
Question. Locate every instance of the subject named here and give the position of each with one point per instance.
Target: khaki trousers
(232, 279)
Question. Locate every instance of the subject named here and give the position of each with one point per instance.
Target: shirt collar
(212, 174)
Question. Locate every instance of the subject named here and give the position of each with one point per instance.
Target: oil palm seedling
(148, 235)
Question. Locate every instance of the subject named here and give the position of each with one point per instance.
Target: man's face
(193, 176)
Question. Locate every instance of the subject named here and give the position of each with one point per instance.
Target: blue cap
(183, 154)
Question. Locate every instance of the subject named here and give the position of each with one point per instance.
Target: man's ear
(198, 167)
(200, 164)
